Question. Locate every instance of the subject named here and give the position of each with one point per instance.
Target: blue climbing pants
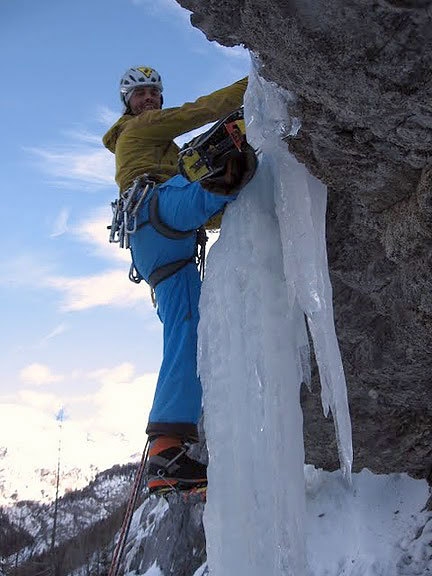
(182, 206)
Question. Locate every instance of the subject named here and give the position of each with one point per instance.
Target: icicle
(301, 207)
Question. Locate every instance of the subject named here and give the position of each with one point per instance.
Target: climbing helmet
(137, 77)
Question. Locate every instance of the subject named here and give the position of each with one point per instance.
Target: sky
(76, 333)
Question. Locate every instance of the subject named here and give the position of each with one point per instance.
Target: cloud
(88, 165)
(103, 428)
(107, 116)
(19, 419)
(24, 270)
(123, 405)
(93, 231)
(82, 158)
(60, 329)
(115, 375)
(39, 374)
(45, 402)
(113, 415)
(118, 399)
(60, 225)
(83, 135)
(110, 288)
(123, 400)
(119, 405)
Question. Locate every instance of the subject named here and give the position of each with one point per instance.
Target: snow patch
(376, 527)
(154, 570)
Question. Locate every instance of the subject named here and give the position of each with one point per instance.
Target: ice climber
(163, 253)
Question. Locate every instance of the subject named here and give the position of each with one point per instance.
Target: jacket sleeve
(159, 126)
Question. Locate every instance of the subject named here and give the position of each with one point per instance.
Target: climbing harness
(164, 272)
(124, 531)
(167, 270)
(203, 158)
(125, 222)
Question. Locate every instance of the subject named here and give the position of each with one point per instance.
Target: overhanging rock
(362, 72)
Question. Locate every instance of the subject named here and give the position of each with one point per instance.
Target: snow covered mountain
(23, 479)
(92, 514)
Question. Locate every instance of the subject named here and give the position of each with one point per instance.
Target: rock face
(171, 536)
(362, 73)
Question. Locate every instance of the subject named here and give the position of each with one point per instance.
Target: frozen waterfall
(265, 275)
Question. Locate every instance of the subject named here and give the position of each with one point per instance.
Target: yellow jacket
(144, 144)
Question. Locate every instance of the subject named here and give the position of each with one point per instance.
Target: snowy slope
(376, 527)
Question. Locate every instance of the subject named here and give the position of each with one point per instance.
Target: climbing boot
(170, 468)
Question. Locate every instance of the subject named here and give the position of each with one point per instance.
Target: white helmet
(137, 77)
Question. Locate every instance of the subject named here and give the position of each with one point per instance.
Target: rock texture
(362, 73)
(173, 540)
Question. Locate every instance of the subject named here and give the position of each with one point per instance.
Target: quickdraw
(125, 210)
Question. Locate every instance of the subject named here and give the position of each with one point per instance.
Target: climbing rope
(124, 531)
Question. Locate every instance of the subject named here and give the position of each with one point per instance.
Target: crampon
(191, 495)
